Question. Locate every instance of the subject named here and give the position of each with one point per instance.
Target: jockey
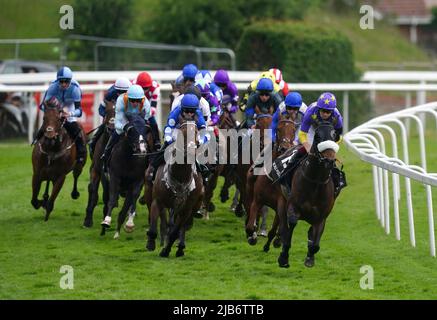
(67, 91)
(253, 85)
(221, 79)
(204, 105)
(324, 109)
(153, 94)
(187, 110)
(214, 105)
(189, 73)
(293, 104)
(283, 86)
(215, 89)
(132, 102)
(120, 86)
(264, 98)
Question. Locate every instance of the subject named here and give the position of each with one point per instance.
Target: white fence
(368, 143)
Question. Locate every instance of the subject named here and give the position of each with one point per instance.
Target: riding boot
(113, 139)
(339, 179)
(155, 136)
(81, 150)
(204, 171)
(155, 162)
(95, 138)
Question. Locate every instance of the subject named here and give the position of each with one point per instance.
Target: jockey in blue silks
(214, 88)
(120, 86)
(67, 91)
(264, 98)
(132, 102)
(187, 110)
(292, 104)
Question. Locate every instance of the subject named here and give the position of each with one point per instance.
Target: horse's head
(109, 119)
(138, 136)
(285, 132)
(324, 145)
(52, 121)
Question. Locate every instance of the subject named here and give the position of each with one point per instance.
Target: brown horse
(179, 188)
(96, 168)
(227, 122)
(263, 122)
(312, 196)
(261, 190)
(53, 157)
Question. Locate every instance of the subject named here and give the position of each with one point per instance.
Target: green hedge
(304, 54)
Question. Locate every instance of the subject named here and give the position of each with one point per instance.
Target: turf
(219, 264)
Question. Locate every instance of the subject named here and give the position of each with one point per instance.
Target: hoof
(239, 211)
(116, 235)
(252, 241)
(36, 203)
(198, 214)
(164, 253)
(277, 242)
(87, 223)
(180, 253)
(283, 262)
(150, 246)
(142, 201)
(309, 262)
(266, 248)
(103, 231)
(129, 228)
(106, 223)
(263, 233)
(210, 207)
(75, 194)
(224, 196)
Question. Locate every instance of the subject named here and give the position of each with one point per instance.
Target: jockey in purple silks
(221, 79)
(214, 105)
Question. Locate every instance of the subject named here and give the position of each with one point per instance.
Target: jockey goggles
(64, 80)
(135, 100)
(326, 111)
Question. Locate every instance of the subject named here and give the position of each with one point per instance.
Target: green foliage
(109, 19)
(217, 24)
(304, 54)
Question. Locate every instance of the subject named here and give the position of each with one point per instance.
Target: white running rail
(369, 144)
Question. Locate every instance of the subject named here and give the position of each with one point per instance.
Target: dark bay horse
(96, 168)
(126, 172)
(263, 122)
(179, 188)
(227, 122)
(261, 190)
(312, 194)
(53, 157)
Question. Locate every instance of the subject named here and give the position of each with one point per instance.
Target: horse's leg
(173, 235)
(114, 191)
(46, 194)
(235, 200)
(251, 220)
(152, 233)
(181, 244)
(123, 212)
(36, 187)
(76, 173)
(163, 227)
(272, 232)
(263, 226)
(93, 197)
(288, 221)
(136, 190)
(224, 192)
(105, 196)
(57, 185)
(209, 191)
(314, 235)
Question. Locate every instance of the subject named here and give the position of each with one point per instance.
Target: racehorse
(312, 194)
(227, 122)
(179, 188)
(263, 122)
(262, 190)
(126, 168)
(96, 168)
(53, 157)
